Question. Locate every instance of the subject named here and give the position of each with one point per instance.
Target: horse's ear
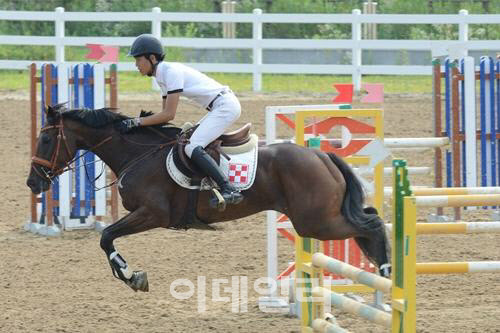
(53, 112)
(61, 105)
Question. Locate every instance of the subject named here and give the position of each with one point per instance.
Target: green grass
(133, 82)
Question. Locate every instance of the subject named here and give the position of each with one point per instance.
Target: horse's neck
(116, 152)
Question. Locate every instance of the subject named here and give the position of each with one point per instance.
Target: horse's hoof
(139, 281)
(385, 270)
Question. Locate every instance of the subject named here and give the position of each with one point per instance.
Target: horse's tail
(352, 207)
(373, 243)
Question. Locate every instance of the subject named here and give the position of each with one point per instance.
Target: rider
(177, 80)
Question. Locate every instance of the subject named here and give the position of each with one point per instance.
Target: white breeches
(226, 110)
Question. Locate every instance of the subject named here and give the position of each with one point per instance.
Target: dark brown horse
(317, 191)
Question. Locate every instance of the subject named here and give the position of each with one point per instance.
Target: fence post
(156, 22)
(155, 31)
(356, 50)
(369, 29)
(257, 50)
(228, 28)
(59, 25)
(463, 30)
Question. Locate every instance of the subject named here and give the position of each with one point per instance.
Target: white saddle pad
(240, 169)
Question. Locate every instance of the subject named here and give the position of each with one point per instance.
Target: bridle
(48, 169)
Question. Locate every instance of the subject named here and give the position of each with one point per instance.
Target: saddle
(215, 149)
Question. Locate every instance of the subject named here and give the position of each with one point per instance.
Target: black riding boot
(207, 164)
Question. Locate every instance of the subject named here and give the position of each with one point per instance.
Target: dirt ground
(64, 284)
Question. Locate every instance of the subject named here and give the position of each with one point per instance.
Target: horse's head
(54, 149)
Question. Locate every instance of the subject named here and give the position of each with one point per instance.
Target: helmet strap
(153, 66)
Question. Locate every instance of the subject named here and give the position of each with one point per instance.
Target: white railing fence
(356, 44)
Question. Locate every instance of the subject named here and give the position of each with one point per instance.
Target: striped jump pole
(405, 230)
(456, 190)
(454, 228)
(323, 326)
(457, 200)
(423, 190)
(355, 274)
(416, 142)
(458, 267)
(349, 305)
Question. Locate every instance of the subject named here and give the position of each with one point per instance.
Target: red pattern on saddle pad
(238, 173)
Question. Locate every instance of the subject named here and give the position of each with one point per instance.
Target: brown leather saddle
(231, 139)
(183, 163)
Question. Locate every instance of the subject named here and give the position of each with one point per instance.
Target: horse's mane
(94, 118)
(102, 117)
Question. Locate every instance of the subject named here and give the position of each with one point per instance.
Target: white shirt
(174, 77)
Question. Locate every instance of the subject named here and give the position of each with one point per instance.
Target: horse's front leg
(135, 222)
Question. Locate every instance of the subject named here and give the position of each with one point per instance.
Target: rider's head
(148, 52)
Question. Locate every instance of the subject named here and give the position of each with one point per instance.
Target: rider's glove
(128, 124)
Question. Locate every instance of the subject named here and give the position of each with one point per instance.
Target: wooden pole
(436, 99)
(455, 110)
(114, 104)
(49, 212)
(33, 78)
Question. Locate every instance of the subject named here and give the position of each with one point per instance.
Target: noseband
(52, 164)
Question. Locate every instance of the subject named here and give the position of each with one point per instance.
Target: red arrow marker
(345, 91)
(103, 53)
(96, 51)
(110, 53)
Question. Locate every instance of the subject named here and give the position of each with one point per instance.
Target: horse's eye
(45, 138)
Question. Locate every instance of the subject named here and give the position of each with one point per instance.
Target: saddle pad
(240, 170)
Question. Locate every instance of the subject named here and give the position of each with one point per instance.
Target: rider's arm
(167, 113)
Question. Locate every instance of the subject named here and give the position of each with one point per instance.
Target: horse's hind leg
(373, 243)
(135, 222)
(375, 247)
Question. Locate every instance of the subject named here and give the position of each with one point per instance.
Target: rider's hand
(127, 125)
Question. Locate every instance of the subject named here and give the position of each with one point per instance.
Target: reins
(61, 140)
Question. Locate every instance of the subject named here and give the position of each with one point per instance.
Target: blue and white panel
(488, 123)
(79, 174)
(89, 169)
(75, 190)
(447, 110)
(469, 123)
(497, 68)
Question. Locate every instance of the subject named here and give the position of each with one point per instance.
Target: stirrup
(233, 197)
(223, 198)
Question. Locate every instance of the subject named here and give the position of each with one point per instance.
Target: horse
(318, 191)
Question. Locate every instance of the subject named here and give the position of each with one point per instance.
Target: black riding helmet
(145, 45)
